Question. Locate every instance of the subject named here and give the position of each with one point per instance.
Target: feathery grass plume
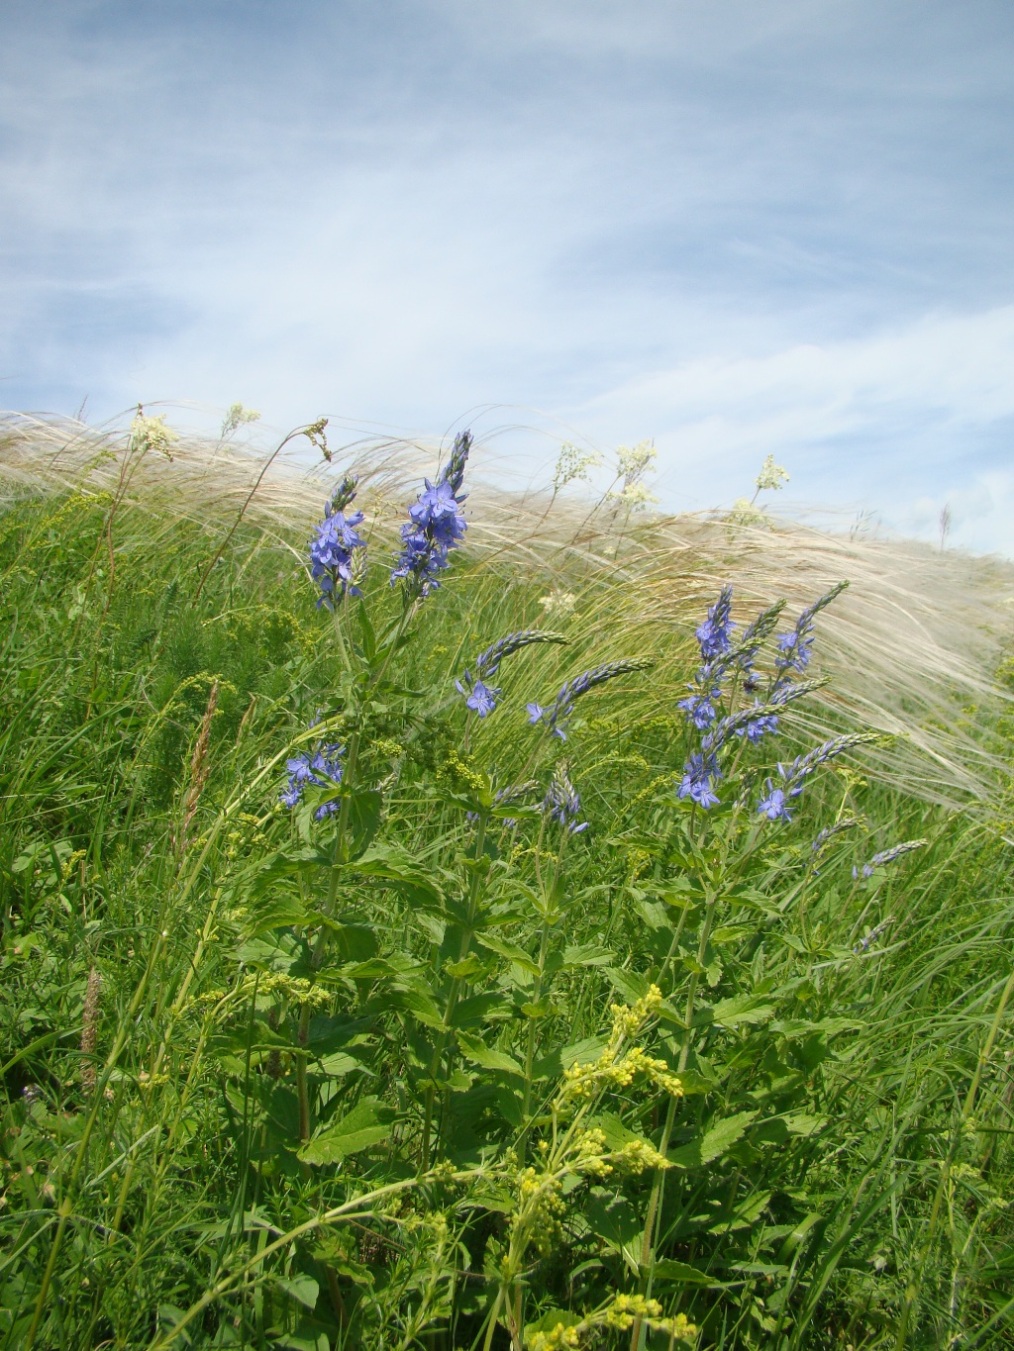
(480, 696)
(90, 1031)
(914, 647)
(555, 715)
(199, 770)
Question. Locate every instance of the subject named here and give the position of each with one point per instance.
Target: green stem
(532, 1022)
(453, 996)
(654, 1212)
(912, 1290)
(98, 1099)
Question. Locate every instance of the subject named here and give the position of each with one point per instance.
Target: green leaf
(367, 1124)
(587, 954)
(629, 984)
(301, 1287)
(668, 1270)
(364, 811)
(613, 1218)
(396, 866)
(338, 1064)
(714, 1143)
(367, 636)
(281, 951)
(420, 1004)
(554, 1318)
(738, 1010)
(583, 1052)
(509, 950)
(488, 1057)
(479, 1010)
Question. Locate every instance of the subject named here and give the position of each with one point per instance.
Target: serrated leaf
(488, 1057)
(367, 1124)
(302, 1288)
(741, 1009)
(627, 983)
(587, 954)
(613, 1218)
(713, 1143)
(509, 950)
(582, 1052)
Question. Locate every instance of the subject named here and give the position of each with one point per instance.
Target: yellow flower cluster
(613, 1069)
(297, 989)
(540, 1206)
(457, 771)
(557, 1338)
(620, 1313)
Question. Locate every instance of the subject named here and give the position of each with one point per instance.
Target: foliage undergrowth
(572, 997)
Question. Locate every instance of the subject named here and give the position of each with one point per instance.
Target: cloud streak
(735, 231)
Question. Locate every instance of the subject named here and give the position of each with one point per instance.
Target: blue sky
(733, 228)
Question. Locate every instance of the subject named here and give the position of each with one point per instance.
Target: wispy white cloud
(736, 229)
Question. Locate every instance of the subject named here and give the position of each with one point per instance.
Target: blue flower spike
(436, 525)
(480, 696)
(320, 768)
(335, 551)
(555, 716)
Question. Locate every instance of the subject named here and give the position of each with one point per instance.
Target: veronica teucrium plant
(419, 982)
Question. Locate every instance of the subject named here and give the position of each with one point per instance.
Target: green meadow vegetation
(599, 934)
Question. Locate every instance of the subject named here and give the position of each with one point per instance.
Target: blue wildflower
(700, 709)
(714, 635)
(795, 648)
(556, 715)
(762, 725)
(436, 524)
(481, 696)
(320, 768)
(775, 806)
(888, 856)
(562, 801)
(793, 777)
(334, 565)
(482, 699)
(866, 943)
(700, 774)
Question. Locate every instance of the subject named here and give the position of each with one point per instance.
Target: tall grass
(840, 1159)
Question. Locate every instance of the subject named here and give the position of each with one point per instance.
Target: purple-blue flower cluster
(333, 561)
(436, 524)
(700, 774)
(555, 715)
(562, 802)
(795, 647)
(775, 804)
(887, 856)
(719, 659)
(715, 635)
(481, 697)
(321, 768)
